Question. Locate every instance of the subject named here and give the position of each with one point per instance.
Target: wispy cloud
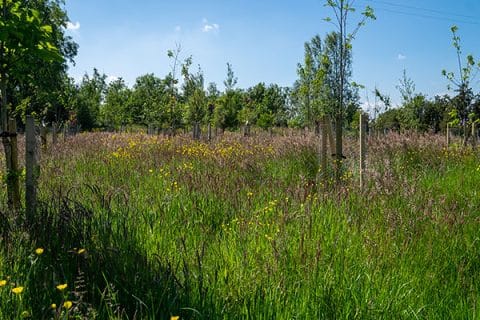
(401, 57)
(210, 27)
(73, 26)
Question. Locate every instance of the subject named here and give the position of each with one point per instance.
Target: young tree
(23, 36)
(149, 101)
(231, 81)
(91, 96)
(45, 86)
(194, 97)
(229, 104)
(309, 88)
(332, 96)
(114, 112)
(174, 107)
(342, 10)
(467, 70)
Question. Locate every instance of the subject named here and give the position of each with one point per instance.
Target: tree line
(35, 52)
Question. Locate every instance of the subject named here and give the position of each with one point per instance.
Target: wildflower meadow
(136, 226)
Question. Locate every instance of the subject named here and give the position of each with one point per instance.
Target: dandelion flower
(3, 283)
(175, 318)
(17, 290)
(53, 306)
(62, 287)
(67, 304)
(39, 251)
(80, 251)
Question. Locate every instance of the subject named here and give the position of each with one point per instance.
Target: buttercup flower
(39, 251)
(17, 290)
(62, 287)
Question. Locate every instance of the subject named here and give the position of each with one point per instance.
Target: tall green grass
(241, 229)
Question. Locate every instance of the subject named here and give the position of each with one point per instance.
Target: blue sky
(264, 39)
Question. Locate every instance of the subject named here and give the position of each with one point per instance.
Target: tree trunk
(339, 115)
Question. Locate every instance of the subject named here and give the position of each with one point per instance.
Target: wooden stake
(448, 135)
(363, 147)
(32, 168)
(474, 135)
(331, 140)
(13, 171)
(43, 136)
(54, 133)
(323, 149)
(209, 131)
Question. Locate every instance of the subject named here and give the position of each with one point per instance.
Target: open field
(149, 227)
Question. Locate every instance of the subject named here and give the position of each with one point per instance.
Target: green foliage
(114, 112)
(231, 81)
(34, 39)
(148, 101)
(227, 109)
(317, 92)
(463, 102)
(194, 94)
(265, 106)
(91, 96)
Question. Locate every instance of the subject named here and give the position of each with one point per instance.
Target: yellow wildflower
(17, 290)
(62, 287)
(67, 304)
(3, 283)
(53, 306)
(39, 251)
(174, 317)
(80, 251)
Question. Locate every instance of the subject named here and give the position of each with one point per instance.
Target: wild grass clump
(150, 227)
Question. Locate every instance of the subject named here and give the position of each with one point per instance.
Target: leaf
(470, 60)
(369, 13)
(46, 28)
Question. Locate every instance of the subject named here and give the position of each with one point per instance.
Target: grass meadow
(131, 226)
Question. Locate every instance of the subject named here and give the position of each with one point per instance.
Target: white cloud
(210, 27)
(73, 26)
(178, 29)
(401, 57)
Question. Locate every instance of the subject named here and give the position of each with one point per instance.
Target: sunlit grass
(156, 227)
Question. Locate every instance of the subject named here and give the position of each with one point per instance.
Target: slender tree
(342, 10)
(23, 35)
(467, 70)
